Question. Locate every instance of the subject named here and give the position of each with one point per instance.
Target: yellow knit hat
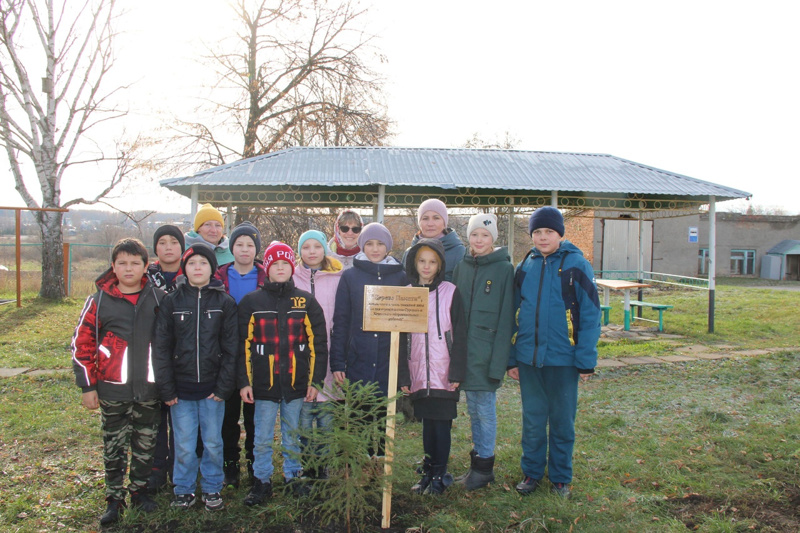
(205, 213)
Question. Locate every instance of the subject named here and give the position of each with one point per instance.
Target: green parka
(486, 284)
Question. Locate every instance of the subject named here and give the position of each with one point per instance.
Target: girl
(356, 354)
(344, 244)
(319, 274)
(434, 362)
(485, 278)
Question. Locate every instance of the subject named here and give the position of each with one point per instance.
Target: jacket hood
(108, 282)
(565, 247)
(192, 237)
(449, 240)
(387, 266)
(495, 256)
(213, 285)
(411, 261)
(334, 265)
(279, 288)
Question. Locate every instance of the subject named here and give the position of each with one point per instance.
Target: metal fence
(655, 277)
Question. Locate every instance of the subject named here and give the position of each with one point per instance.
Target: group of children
(278, 335)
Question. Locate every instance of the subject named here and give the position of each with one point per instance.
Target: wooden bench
(606, 310)
(656, 307)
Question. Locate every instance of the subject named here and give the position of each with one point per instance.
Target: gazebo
(509, 181)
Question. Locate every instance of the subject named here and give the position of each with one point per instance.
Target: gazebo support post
(712, 259)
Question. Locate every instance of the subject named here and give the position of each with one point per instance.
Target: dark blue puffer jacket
(362, 355)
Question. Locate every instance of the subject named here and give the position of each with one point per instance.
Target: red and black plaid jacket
(284, 341)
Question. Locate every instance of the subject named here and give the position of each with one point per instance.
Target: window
(743, 262)
(702, 259)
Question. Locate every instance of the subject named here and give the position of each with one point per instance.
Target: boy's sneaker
(528, 485)
(258, 493)
(141, 500)
(231, 471)
(213, 501)
(562, 489)
(183, 501)
(157, 480)
(113, 513)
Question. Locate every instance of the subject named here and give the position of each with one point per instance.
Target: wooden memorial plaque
(395, 309)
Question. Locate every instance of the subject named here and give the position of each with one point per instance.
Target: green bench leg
(605, 316)
(661, 320)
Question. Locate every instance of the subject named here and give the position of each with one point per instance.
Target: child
(168, 244)
(285, 356)
(356, 354)
(195, 355)
(318, 274)
(485, 280)
(111, 360)
(434, 363)
(557, 328)
(243, 276)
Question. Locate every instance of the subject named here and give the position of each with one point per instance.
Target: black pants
(231, 430)
(163, 456)
(436, 440)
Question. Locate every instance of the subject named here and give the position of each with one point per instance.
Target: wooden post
(66, 257)
(391, 410)
(18, 220)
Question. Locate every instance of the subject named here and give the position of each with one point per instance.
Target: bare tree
(508, 142)
(300, 76)
(72, 42)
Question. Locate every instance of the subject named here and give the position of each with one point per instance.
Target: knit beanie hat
(487, 221)
(205, 213)
(377, 231)
(435, 205)
(200, 249)
(546, 217)
(168, 229)
(249, 230)
(278, 251)
(314, 235)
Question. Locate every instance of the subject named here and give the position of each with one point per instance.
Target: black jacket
(196, 339)
(283, 343)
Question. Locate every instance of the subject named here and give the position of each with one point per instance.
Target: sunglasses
(345, 229)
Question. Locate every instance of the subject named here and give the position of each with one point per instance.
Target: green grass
(704, 445)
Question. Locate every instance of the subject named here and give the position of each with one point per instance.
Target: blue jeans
(549, 405)
(313, 412)
(482, 409)
(187, 417)
(265, 414)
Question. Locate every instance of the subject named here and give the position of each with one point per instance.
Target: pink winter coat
(322, 284)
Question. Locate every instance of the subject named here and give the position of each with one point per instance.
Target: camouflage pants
(125, 424)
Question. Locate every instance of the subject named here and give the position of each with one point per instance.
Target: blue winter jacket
(557, 311)
(362, 355)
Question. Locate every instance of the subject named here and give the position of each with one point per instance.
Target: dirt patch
(780, 516)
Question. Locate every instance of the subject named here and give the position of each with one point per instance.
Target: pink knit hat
(435, 205)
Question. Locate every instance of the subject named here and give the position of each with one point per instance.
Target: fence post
(67, 269)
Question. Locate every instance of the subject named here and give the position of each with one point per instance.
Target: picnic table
(620, 285)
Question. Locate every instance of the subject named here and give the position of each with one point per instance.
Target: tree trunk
(52, 255)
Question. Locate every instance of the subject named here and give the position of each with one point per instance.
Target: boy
(244, 275)
(554, 342)
(112, 365)
(168, 244)
(195, 366)
(285, 347)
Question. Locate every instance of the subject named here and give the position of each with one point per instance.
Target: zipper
(313, 272)
(472, 294)
(197, 334)
(538, 307)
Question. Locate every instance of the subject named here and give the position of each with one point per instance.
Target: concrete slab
(640, 360)
(677, 358)
(670, 336)
(693, 349)
(609, 363)
(11, 372)
(42, 372)
(712, 356)
(751, 353)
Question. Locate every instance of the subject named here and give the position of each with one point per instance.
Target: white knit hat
(487, 221)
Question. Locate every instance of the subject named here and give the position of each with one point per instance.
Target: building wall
(579, 230)
(672, 251)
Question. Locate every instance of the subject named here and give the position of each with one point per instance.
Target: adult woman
(344, 244)
(432, 222)
(209, 229)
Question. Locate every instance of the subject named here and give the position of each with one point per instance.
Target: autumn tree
(299, 74)
(51, 131)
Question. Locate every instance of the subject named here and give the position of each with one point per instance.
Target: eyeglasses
(345, 229)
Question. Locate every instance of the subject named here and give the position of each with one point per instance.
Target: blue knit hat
(315, 235)
(376, 231)
(546, 217)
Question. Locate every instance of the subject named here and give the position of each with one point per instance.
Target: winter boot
(231, 470)
(482, 473)
(420, 486)
(440, 480)
(463, 477)
(113, 513)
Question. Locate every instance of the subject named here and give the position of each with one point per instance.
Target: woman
(432, 222)
(209, 229)
(344, 244)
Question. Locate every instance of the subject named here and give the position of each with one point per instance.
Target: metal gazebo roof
(404, 177)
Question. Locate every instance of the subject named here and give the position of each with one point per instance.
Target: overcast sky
(708, 89)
